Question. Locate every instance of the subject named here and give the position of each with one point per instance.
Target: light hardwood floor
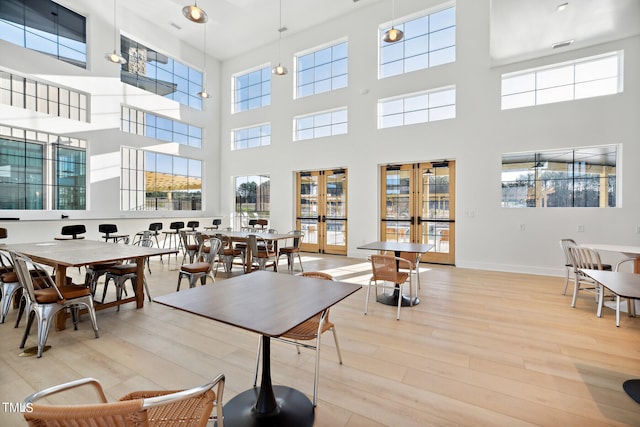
(482, 348)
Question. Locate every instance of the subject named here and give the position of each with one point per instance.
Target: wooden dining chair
(156, 408)
(310, 330)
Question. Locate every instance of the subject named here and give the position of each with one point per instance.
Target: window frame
(264, 97)
(264, 138)
(333, 78)
(138, 122)
(403, 112)
(317, 116)
(532, 96)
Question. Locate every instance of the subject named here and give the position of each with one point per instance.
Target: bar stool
(173, 236)
(71, 232)
(193, 225)
(214, 225)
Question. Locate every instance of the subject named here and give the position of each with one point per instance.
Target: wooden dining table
(62, 254)
(397, 248)
(268, 304)
(626, 285)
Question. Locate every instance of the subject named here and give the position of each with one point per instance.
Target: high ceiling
(520, 29)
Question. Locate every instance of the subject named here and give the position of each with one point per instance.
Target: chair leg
(27, 329)
(300, 260)
(8, 292)
(617, 310)
(315, 377)
(566, 282)
(400, 300)
(600, 293)
(576, 287)
(366, 301)
(335, 339)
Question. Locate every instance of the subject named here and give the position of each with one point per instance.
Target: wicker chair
(310, 330)
(49, 299)
(385, 269)
(188, 408)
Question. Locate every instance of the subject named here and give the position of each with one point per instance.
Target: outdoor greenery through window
(41, 171)
(254, 136)
(253, 196)
(157, 73)
(151, 125)
(252, 90)
(318, 125)
(428, 41)
(322, 70)
(159, 182)
(583, 177)
(47, 27)
(430, 106)
(583, 78)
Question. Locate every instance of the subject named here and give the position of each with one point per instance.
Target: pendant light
(280, 70)
(203, 93)
(114, 56)
(195, 14)
(393, 35)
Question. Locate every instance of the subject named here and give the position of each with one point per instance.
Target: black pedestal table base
(294, 409)
(632, 387)
(392, 299)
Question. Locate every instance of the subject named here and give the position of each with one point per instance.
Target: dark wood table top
(397, 247)
(625, 284)
(267, 303)
(76, 253)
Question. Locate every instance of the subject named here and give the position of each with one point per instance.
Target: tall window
(41, 171)
(322, 70)
(151, 125)
(437, 104)
(22, 92)
(160, 74)
(253, 195)
(255, 136)
(155, 181)
(428, 41)
(252, 90)
(318, 125)
(583, 78)
(584, 177)
(47, 27)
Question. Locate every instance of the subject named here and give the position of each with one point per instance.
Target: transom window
(161, 182)
(255, 136)
(430, 106)
(22, 92)
(47, 27)
(428, 41)
(583, 177)
(160, 74)
(162, 128)
(322, 70)
(318, 125)
(583, 78)
(41, 171)
(252, 90)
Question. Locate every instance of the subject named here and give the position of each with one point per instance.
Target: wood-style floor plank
(482, 348)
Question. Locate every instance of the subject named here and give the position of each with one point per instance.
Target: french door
(418, 205)
(321, 211)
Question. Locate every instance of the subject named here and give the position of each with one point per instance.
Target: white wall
(102, 81)
(488, 236)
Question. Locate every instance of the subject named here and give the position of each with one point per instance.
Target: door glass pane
(336, 208)
(435, 207)
(309, 207)
(397, 202)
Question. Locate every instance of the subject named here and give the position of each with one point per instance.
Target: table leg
(61, 280)
(268, 405)
(140, 282)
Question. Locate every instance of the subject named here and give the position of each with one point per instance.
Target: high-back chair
(310, 330)
(228, 252)
(189, 244)
(565, 244)
(46, 300)
(293, 249)
(161, 408)
(71, 232)
(203, 267)
(385, 269)
(582, 257)
(261, 254)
